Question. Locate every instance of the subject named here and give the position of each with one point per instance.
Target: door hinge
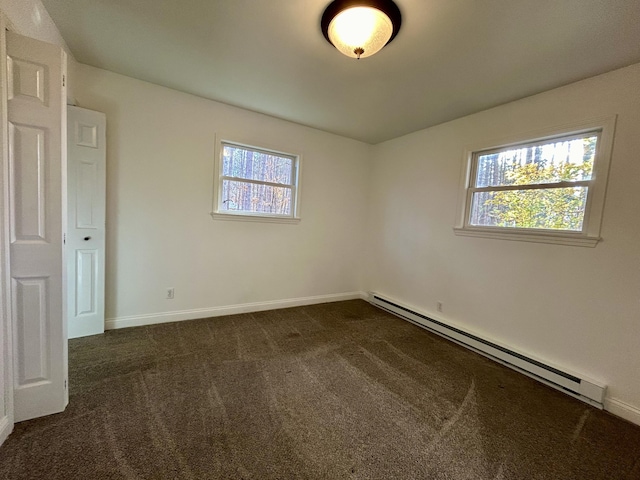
(64, 80)
(64, 238)
(65, 383)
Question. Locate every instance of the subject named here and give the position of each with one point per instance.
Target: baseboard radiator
(584, 389)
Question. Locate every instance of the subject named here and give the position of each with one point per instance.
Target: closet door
(86, 197)
(37, 158)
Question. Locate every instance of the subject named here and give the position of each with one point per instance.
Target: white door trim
(6, 334)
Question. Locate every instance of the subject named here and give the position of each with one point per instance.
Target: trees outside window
(542, 186)
(255, 182)
(547, 188)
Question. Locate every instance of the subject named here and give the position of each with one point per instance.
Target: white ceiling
(451, 57)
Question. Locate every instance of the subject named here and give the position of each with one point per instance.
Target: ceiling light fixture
(360, 28)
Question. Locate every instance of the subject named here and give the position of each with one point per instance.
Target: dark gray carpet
(334, 391)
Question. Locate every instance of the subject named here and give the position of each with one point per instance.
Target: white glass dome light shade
(363, 30)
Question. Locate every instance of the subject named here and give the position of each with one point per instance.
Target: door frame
(6, 333)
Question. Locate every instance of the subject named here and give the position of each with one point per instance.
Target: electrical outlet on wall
(439, 306)
(170, 293)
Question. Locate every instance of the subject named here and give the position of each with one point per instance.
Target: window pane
(556, 161)
(255, 165)
(255, 198)
(549, 208)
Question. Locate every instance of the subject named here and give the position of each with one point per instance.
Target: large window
(547, 189)
(256, 183)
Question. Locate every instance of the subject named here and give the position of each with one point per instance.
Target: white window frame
(219, 214)
(590, 235)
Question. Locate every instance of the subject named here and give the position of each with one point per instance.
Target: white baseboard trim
(165, 317)
(571, 383)
(6, 427)
(622, 410)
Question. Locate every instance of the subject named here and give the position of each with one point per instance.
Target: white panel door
(86, 182)
(37, 157)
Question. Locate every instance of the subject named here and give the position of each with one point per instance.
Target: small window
(539, 190)
(256, 183)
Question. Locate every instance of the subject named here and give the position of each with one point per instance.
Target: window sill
(577, 240)
(239, 217)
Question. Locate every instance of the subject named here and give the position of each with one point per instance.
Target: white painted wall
(574, 306)
(160, 153)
